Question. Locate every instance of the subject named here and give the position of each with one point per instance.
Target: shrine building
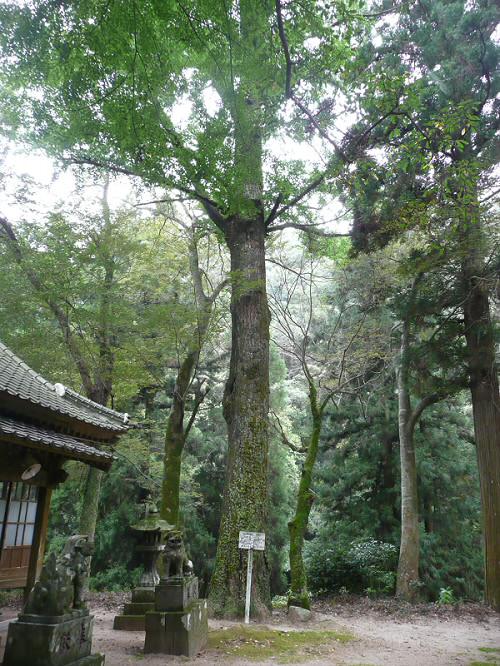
(42, 426)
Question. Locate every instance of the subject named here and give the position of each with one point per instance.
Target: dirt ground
(385, 633)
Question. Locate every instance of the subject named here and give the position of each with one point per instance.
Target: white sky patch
(211, 101)
(180, 113)
(495, 37)
(34, 187)
(284, 147)
(312, 43)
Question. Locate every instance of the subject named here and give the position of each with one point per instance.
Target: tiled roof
(19, 380)
(47, 440)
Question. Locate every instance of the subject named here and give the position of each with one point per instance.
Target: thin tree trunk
(297, 527)
(175, 440)
(102, 387)
(485, 395)
(176, 432)
(246, 405)
(90, 503)
(387, 483)
(409, 551)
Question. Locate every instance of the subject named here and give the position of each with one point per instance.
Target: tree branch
(427, 401)
(281, 432)
(61, 317)
(208, 204)
(310, 229)
(199, 398)
(286, 50)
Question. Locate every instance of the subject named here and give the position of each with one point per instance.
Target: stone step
(142, 595)
(138, 608)
(130, 623)
(92, 660)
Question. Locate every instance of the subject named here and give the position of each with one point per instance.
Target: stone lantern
(150, 531)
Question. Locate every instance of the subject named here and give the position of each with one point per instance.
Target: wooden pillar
(39, 538)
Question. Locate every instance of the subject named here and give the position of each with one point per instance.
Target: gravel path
(386, 635)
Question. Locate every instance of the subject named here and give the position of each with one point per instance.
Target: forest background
(370, 364)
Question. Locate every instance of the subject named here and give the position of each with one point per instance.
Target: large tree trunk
(246, 399)
(409, 551)
(297, 527)
(485, 396)
(102, 387)
(246, 404)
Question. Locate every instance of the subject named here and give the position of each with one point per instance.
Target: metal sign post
(250, 541)
(249, 585)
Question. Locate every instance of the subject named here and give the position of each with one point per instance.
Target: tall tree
(113, 80)
(441, 142)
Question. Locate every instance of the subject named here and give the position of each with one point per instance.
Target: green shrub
(361, 566)
(280, 601)
(446, 596)
(115, 579)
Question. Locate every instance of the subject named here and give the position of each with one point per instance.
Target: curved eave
(31, 436)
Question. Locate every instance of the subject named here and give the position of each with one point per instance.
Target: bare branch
(198, 400)
(276, 424)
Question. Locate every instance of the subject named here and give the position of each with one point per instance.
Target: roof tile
(19, 380)
(61, 444)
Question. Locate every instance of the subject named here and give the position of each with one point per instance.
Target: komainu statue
(62, 580)
(175, 560)
(52, 593)
(74, 560)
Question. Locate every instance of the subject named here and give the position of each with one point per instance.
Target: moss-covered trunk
(176, 432)
(246, 398)
(246, 403)
(298, 525)
(93, 479)
(484, 388)
(409, 550)
(174, 442)
(90, 502)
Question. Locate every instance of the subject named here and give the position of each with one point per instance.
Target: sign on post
(250, 541)
(253, 540)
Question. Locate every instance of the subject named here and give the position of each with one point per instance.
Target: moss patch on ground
(493, 653)
(256, 643)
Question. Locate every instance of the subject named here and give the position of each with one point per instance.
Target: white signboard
(250, 541)
(253, 540)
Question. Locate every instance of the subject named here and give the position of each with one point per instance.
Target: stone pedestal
(44, 640)
(179, 623)
(133, 617)
(150, 530)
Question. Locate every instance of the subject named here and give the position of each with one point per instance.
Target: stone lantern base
(179, 623)
(133, 617)
(58, 640)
